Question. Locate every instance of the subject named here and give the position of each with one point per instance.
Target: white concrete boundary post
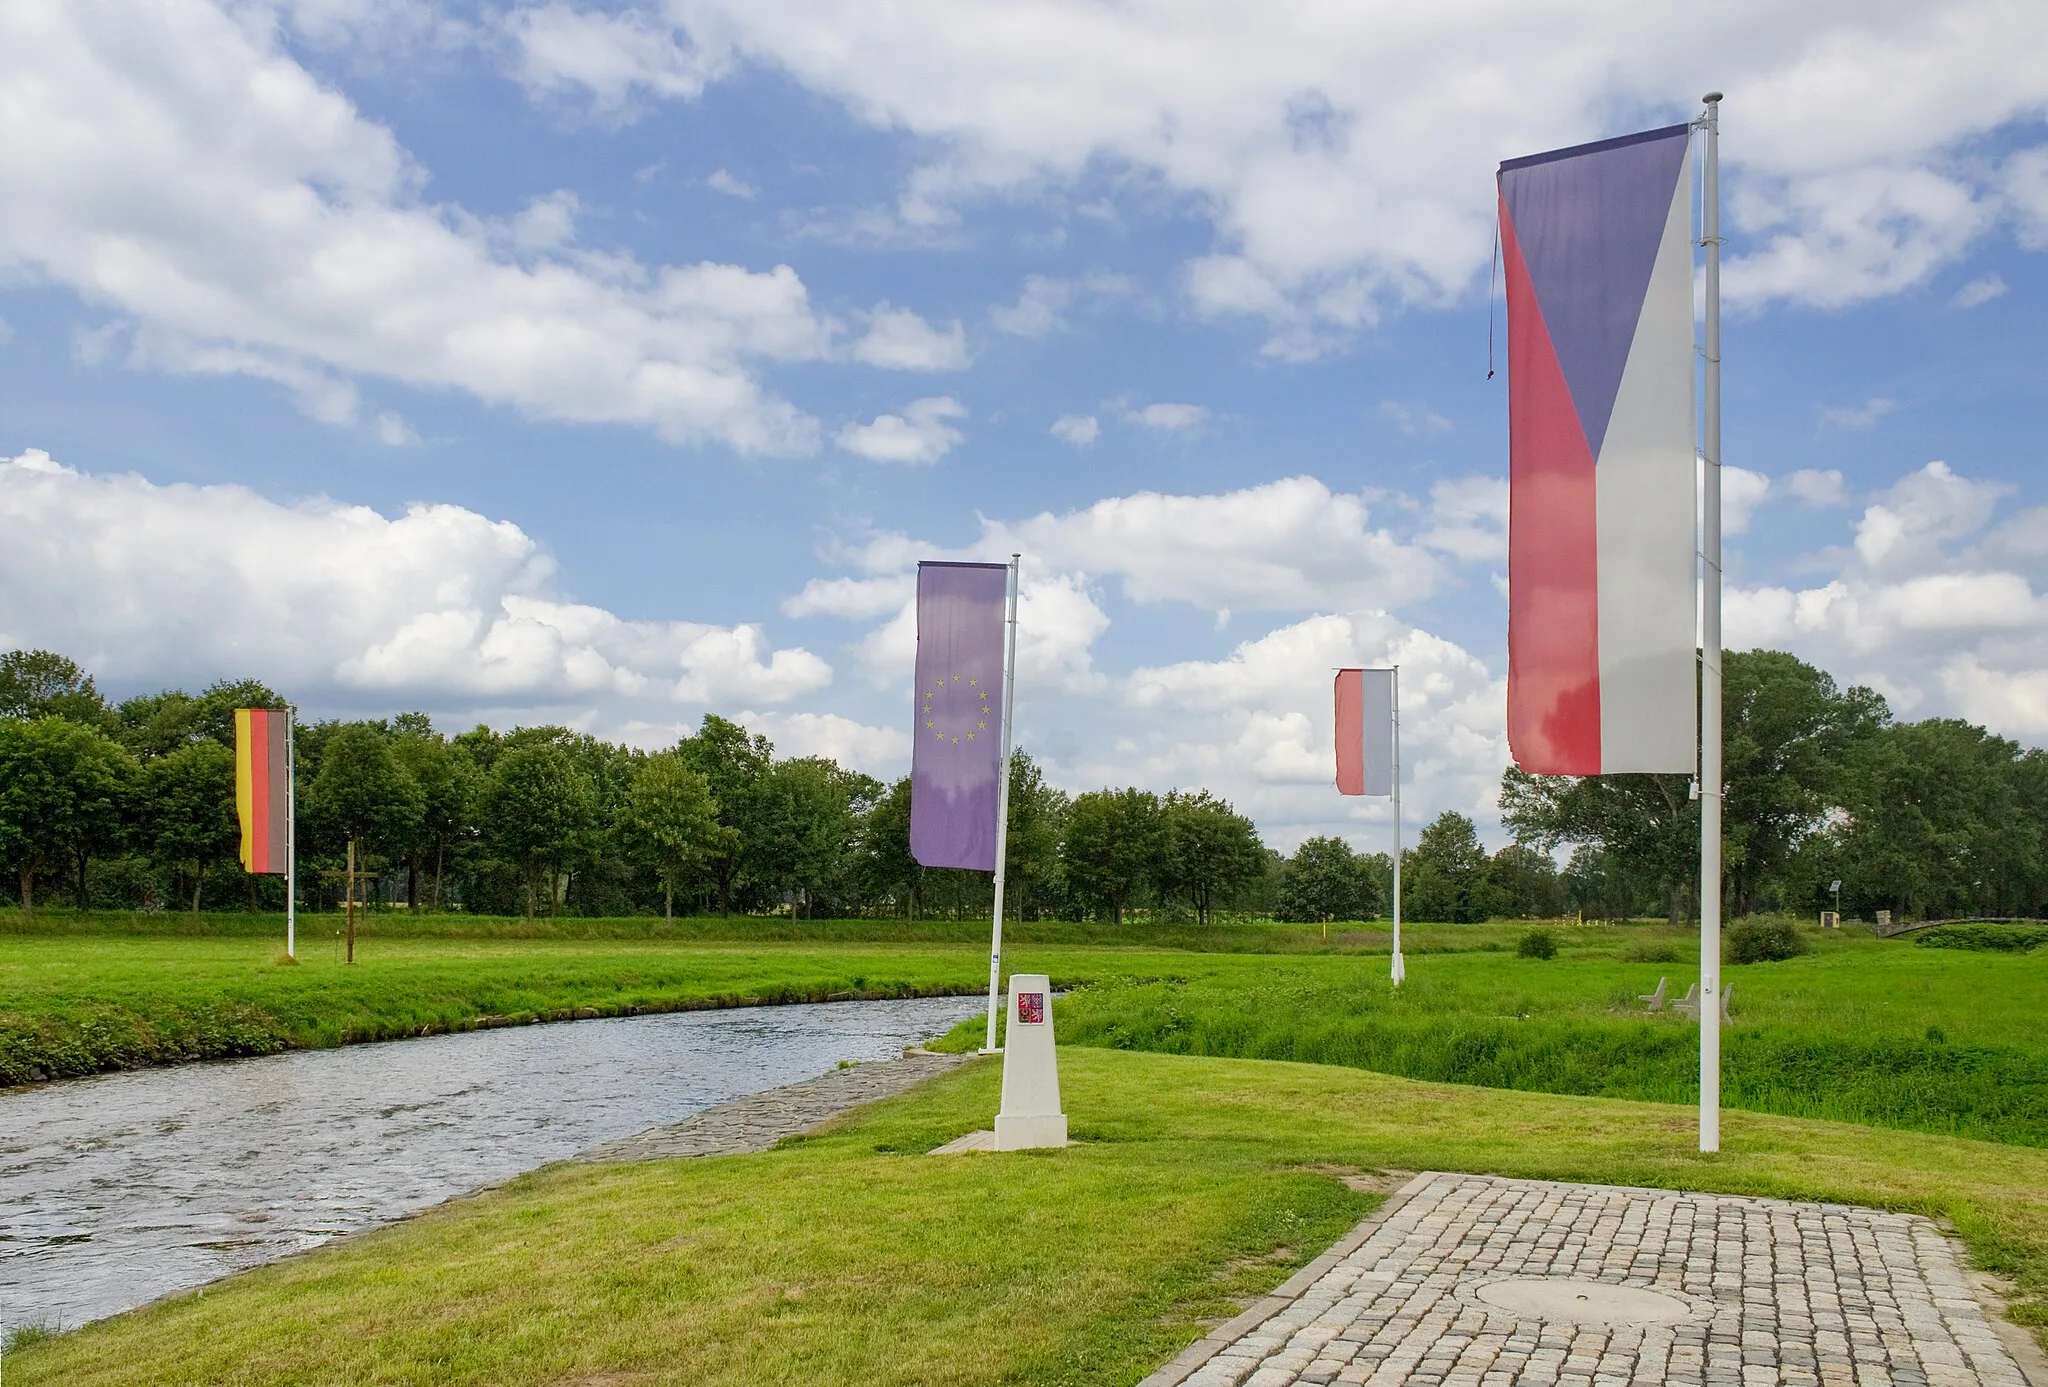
(1031, 1113)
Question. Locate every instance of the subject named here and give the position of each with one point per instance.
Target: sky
(614, 364)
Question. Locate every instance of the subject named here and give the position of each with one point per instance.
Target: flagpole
(995, 949)
(1710, 652)
(291, 834)
(1400, 966)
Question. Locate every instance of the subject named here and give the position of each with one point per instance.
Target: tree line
(131, 805)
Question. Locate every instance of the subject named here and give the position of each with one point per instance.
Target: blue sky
(611, 365)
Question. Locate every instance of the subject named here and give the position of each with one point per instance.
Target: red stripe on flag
(1553, 548)
(1350, 731)
(259, 790)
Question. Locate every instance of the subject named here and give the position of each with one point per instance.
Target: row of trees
(127, 804)
(133, 803)
(1932, 819)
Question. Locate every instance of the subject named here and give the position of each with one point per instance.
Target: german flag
(262, 788)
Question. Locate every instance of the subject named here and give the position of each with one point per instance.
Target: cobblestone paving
(1807, 1295)
(759, 1120)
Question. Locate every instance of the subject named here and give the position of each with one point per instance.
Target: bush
(1646, 952)
(1537, 943)
(2008, 939)
(1764, 940)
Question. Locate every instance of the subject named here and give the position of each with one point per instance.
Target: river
(119, 1189)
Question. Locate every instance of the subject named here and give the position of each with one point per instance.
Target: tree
(886, 867)
(733, 764)
(806, 816)
(539, 813)
(672, 824)
(190, 809)
(1326, 881)
(1788, 736)
(448, 783)
(1935, 823)
(44, 684)
(1210, 850)
(1443, 877)
(1038, 817)
(363, 794)
(64, 789)
(1525, 884)
(1113, 846)
(1646, 827)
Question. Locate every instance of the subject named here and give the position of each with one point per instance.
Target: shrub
(2011, 939)
(1764, 939)
(1644, 951)
(1537, 943)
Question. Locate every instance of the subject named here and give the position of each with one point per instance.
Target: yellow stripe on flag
(246, 809)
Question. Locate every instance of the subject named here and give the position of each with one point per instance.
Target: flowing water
(119, 1189)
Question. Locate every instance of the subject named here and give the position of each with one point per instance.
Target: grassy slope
(1861, 1030)
(850, 1258)
(1842, 1033)
(76, 1005)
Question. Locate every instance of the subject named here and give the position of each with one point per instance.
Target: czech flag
(1597, 244)
(263, 788)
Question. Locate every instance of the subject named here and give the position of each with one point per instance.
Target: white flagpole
(1400, 965)
(1710, 653)
(291, 834)
(995, 949)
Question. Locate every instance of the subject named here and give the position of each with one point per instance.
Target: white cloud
(337, 604)
(918, 436)
(851, 599)
(611, 57)
(1256, 726)
(1414, 418)
(175, 166)
(879, 751)
(1323, 141)
(2026, 186)
(1859, 416)
(1980, 291)
(1742, 491)
(394, 432)
(1924, 605)
(721, 181)
(1077, 429)
(1058, 623)
(899, 340)
(1043, 302)
(1816, 487)
(1290, 545)
(1468, 519)
(1168, 418)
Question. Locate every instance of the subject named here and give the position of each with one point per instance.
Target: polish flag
(1597, 246)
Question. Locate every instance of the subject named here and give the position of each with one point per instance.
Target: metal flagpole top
(1711, 97)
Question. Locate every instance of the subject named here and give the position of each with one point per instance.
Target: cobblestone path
(759, 1120)
(1755, 1292)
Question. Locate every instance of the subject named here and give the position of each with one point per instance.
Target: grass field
(853, 1258)
(1880, 1032)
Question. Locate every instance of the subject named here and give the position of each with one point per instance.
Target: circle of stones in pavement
(1576, 1301)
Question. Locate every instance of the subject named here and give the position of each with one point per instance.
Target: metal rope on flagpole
(995, 950)
(291, 833)
(1710, 651)
(1400, 965)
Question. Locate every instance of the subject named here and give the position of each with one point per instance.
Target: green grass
(853, 1258)
(1863, 1030)
(1859, 1030)
(73, 1005)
